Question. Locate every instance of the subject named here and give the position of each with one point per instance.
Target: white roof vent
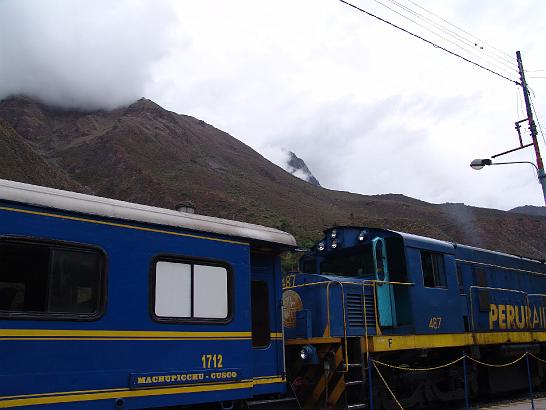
(186, 207)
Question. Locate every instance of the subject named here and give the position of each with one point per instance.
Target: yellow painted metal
(313, 341)
(71, 398)
(336, 393)
(87, 395)
(392, 343)
(328, 284)
(66, 334)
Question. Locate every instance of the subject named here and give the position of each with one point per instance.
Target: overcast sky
(369, 108)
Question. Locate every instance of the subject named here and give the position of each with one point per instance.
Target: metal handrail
(363, 284)
(328, 284)
(374, 284)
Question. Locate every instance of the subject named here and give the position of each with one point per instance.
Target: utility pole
(532, 126)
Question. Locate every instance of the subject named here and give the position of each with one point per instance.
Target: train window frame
(435, 285)
(191, 261)
(102, 281)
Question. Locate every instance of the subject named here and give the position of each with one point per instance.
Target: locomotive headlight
(321, 246)
(362, 235)
(308, 354)
(334, 244)
(333, 234)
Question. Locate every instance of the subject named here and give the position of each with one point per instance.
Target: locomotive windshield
(358, 261)
(345, 262)
(349, 262)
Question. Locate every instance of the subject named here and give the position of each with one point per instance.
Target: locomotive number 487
(435, 322)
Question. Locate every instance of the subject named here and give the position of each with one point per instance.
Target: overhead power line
(430, 42)
(462, 30)
(510, 64)
(472, 52)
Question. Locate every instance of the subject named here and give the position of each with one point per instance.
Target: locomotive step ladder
(355, 381)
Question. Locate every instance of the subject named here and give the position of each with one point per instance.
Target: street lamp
(478, 164)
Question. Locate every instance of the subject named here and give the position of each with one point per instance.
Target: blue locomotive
(412, 302)
(108, 304)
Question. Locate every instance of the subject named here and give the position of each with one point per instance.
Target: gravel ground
(515, 402)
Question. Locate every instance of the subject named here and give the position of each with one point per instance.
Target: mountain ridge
(297, 166)
(145, 154)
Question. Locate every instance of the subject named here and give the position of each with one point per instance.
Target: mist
(82, 54)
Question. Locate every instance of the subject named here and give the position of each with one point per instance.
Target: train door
(384, 291)
(266, 331)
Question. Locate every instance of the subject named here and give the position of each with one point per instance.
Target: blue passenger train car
(108, 304)
(412, 302)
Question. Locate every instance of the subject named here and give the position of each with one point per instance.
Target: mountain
(297, 166)
(530, 210)
(21, 163)
(146, 154)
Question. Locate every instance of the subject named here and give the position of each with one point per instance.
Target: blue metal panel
(32, 365)
(305, 292)
(434, 310)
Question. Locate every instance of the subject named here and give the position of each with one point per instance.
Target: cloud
(84, 54)
(367, 107)
(369, 147)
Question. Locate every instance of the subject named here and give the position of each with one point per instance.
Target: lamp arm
(515, 162)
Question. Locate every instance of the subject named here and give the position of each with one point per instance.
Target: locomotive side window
(185, 290)
(49, 280)
(434, 275)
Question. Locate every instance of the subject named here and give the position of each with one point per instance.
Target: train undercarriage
(339, 375)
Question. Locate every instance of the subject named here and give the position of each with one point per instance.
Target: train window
(172, 289)
(434, 275)
(49, 280)
(261, 332)
(186, 290)
(210, 292)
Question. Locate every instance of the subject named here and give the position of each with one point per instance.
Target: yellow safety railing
(463, 357)
(328, 284)
(361, 286)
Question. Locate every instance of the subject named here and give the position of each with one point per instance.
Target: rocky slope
(297, 167)
(146, 154)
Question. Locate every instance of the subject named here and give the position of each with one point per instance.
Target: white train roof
(111, 208)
